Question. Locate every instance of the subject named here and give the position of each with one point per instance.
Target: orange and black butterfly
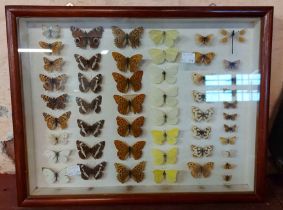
(55, 102)
(204, 40)
(94, 84)
(86, 107)
(230, 116)
(125, 151)
(85, 151)
(228, 105)
(55, 122)
(129, 103)
(124, 83)
(53, 83)
(126, 128)
(124, 173)
(87, 129)
(204, 58)
(96, 172)
(122, 39)
(55, 47)
(51, 65)
(84, 64)
(228, 128)
(124, 63)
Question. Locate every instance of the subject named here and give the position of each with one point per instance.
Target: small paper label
(188, 57)
(73, 170)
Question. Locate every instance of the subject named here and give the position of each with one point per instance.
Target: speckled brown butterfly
(198, 170)
(84, 64)
(204, 40)
(124, 83)
(54, 122)
(124, 173)
(96, 172)
(125, 151)
(228, 128)
(122, 39)
(85, 151)
(129, 103)
(53, 65)
(53, 83)
(228, 105)
(204, 58)
(124, 63)
(87, 130)
(94, 84)
(55, 47)
(230, 140)
(55, 102)
(198, 96)
(86, 107)
(227, 116)
(126, 128)
(82, 38)
(200, 133)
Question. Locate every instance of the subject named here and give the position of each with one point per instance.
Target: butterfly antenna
(233, 34)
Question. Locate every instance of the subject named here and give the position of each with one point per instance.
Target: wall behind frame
(277, 51)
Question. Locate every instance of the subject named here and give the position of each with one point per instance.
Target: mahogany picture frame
(15, 12)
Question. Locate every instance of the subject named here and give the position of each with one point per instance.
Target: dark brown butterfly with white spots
(124, 173)
(55, 122)
(96, 172)
(84, 64)
(122, 39)
(85, 151)
(227, 116)
(228, 128)
(228, 105)
(86, 107)
(87, 130)
(82, 38)
(55, 102)
(53, 83)
(94, 84)
(51, 65)
(55, 47)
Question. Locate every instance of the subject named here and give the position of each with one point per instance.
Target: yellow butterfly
(159, 137)
(167, 37)
(169, 175)
(169, 157)
(159, 56)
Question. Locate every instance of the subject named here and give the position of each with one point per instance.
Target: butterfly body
(86, 107)
(51, 65)
(123, 39)
(124, 83)
(53, 83)
(124, 150)
(85, 151)
(83, 38)
(94, 84)
(198, 170)
(55, 103)
(169, 175)
(96, 172)
(55, 47)
(126, 128)
(124, 173)
(160, 136)
(199, 152)
(88, 130)
(54, 122)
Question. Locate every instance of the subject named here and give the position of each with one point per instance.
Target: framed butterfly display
(139, 104)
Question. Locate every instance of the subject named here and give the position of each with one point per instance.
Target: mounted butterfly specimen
(198, 170)
(230, 105)
(94, 84)
(97, 172)
(199, 115)
(83, 38)
(86, 107)
(53, 83)
(53, 65)
(204, 58)
(200, 152)
(200, 133)
(227, 178)
(58, 138)
(227, 35)
(170, 136)
(123, 39)
(230, 140)
(228, 166)
(124, 150)
(229, 153)
(58, 156)
(55, 102)
(124, 173)
(85, 151)
(204, 40)
(90, 130)
(55, 47)
(198, 79)
(84, 64)
(228, 128)
(169, 117)
(51, 31)
(231, 65)
(125, 128)
(169, 175)
(129, 103)
(167, 37)
(227, 116)
(124, 63)
(56, 122)
(160, 157)
(160, 97)
(159, 75)
(124, 83)
(52, 176)
(159, 56)
(198, 96)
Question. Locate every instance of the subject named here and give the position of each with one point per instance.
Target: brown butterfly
(124, 173)
(228, 105)
(55, 102)
(82, 38)
(204, 40)
(53, 83)
(129, 103)
(204, 58)
(124, 150)
(124, 84)
(198, 170)
(55, 47)
(85, 151)
(51, 65)
(85, 107)
(227, 178)
(54, 122)
(231, 140)
(198, 79)
(227, 166)
(230, 128)
(94, 84)
(230, 116)
(84, 64)
(239, 35)
(96, 172)
(122, 39)
(134, 128)
(127, 63)
(87, 130)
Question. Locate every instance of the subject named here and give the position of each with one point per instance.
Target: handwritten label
(188, 57)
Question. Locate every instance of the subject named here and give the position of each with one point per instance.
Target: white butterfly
(164, 97)
(159, 56)
(61, 138)
(165, 117)
(52, 176)
(199, 115)
(51, 31)
(58, 156)
(168, 74)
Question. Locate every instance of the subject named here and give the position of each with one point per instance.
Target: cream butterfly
(168, 74)
(167, 37)
(165, 117)
(199, 152)
(57, 156)
(159, 56)
(60, 138)
(160, 157)
(169, 175)
(199, 115)
(52, 176)
(167, 97)
(159, 137)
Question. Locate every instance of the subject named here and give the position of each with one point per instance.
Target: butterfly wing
(158, 156)
(225, 35)
(136, 125)
(84, 85)
(122, 149)
(94, 36)
(85, 128)
(207, 150)
(84, 107)
(56, 47)
(171, 94)
(122, 83)
(95, 83)
(47, 82)
(157, 36)
(136, 103)
(56, 103)
(96, 128)
(97, 150)
(51, 155)
(121, 61)
(94, 61)
(157, 97)
(135, 36)
(171, 155)
(51, 31)
(98, 170)
(158, 117)
(123, 104)
(63, 120)
(63, 156)
(208, 58)
(53, 65)
(171, 54)
(134, 62)
(123, 126)
(170, 37)
(83, 63)
(158, 136)
(156, 74)
(83, 150)
(158, 176)
(50, 121)
(198, 96)
(171, 176)
(198, 79)
(86, 171)
(171, 73)
(137, 172)
(135, 80)
(207, 168)
(80, 37)
(197, 151)
(158, 56)
(120, 37)
(172, 135)
(201, 133)
(172, 116)
(49, 175)
(122, 172)
(204, 40)
(136, 149)
(196, 169)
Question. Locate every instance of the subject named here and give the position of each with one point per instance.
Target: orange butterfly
(55, 47)
(55, 122)
(127, 63)
(123, 83)
(124, 150)
(129, 103)
(125, 128)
